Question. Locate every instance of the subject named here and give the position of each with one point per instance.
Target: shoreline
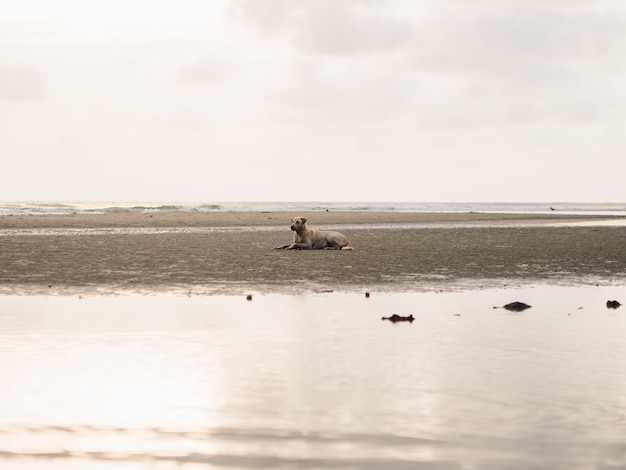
(394, 252)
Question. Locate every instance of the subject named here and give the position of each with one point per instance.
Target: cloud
(508, 40)
(448, 63)
(324, 93)
(21, 83)
(550, 64)
(349, 27)
(208, 70)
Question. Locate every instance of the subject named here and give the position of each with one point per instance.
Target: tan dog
(305, 238)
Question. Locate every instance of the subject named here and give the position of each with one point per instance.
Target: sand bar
(387, 255)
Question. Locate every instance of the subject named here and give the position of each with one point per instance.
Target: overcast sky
(313, 100)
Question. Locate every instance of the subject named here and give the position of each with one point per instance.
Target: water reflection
(316, 381)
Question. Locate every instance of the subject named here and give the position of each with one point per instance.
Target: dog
(305, 238)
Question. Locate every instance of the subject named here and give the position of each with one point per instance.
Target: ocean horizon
(103, 207)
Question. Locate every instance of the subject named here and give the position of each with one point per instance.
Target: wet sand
(232, 252)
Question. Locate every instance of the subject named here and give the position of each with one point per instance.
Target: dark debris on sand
(396, 318)
(515, 306)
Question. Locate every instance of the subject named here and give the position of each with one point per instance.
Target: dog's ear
(293, 219)
(303, 220)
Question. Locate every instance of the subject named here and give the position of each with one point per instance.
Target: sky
(313, 100)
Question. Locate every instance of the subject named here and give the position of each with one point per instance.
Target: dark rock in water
(613, 304)
(394, 318)
(516, 306)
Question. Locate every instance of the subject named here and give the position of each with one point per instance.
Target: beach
(232, 252)
(178, 341)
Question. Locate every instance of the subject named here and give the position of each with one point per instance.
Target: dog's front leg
(291, 246)
(299, 246)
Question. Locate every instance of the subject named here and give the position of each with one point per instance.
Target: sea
(319, 380)
(39, 207)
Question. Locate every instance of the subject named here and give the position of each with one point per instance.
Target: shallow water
(314, 381)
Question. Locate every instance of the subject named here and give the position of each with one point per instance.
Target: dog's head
(297, 223)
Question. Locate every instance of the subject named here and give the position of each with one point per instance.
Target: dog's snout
(293, 227)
